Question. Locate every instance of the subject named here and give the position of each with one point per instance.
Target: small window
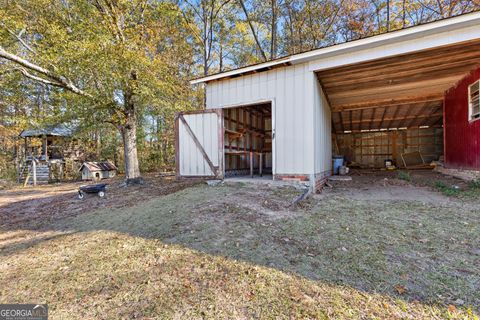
(474, 101)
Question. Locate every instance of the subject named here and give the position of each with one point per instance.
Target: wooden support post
(27, 178)
(34, 172)
(61, 171)
(44, 145)
(251, 164)
(394, 147)
(238, 160)
(260, 168)
(230, 160)
(246, 140)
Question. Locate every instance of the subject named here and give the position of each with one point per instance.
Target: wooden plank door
(199, 144)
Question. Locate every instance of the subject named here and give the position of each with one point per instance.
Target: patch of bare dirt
(387, 186)
(33, 206)
(257, 202)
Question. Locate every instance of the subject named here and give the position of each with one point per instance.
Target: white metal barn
(279, 117)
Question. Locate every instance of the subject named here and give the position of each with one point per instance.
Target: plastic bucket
(337, 163)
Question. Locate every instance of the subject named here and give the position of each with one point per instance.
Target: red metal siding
(462, 137)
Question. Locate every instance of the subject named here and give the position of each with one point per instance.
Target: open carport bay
(384, 108)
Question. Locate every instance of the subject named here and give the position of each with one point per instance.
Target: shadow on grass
(406, 250)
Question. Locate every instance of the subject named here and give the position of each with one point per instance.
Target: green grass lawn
(236, 251)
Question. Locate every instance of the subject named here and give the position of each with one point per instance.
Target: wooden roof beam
(342, 128)
(351, 119)
(431, 85)
(334, 125)
(437, 67)
(383, 117)
(451, 52)
(390, 80)
(405, 119)
(389, 102)
(395, 118)
(422, 111)
(361, 120)
(432, 118)
(390, 121)
(371, 119)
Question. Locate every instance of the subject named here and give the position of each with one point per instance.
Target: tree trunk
(98, 144)
(115, 156)
(129, 136)
(273, 40)
(254, 33)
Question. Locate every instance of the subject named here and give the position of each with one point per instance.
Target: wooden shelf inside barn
(248, 136)
(234, 134)
(236, 153)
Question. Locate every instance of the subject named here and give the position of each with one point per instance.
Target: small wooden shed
(50, 147)
(98, 170)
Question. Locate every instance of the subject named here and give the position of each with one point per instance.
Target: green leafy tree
(105, 60)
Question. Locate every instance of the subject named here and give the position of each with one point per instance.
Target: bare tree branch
(60, 81)
(264, 56)
(38, 79)
(19, 38)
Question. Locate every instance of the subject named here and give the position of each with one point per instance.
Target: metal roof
(468, 19)
(58, 130)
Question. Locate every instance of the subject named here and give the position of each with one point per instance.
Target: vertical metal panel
(462, 137)
(207, 126)
(323, 137)
(291, 90)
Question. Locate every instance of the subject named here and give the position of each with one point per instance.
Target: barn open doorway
(248, 141)
(391, 109)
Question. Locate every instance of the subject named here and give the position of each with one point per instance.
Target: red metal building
(462, 133)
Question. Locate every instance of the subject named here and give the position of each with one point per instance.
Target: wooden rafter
(436, 55)
(398, 91)
(395, 118)
(372, 92)
(371, 119)
(432, 118)
(406, 118)
(390, 121)
(405, 101)
(421, 111)
(409, 74)
(383, 117)
(334, 125)
(351, 119)
(360, 123)
(342, 127)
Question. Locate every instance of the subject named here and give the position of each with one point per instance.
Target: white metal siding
(205, 126)
(323, 137)
(291, 90)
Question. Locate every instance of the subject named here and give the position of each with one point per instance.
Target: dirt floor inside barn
(384, 245)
